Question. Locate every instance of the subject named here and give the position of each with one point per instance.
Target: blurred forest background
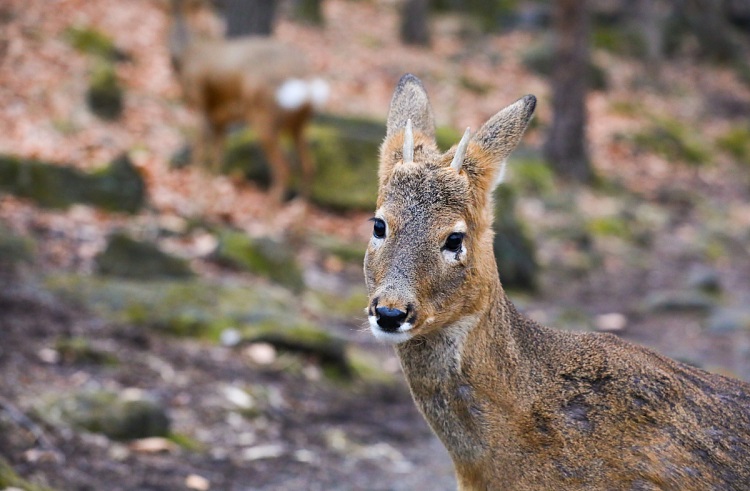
(166, 324)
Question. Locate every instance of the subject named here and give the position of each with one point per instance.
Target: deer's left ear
(499, 136)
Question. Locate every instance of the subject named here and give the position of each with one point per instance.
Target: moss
(186, 442)
(128, 258)
(353, 253)
(14, 249)
(611, 226)
(346, 175)
(345, 306)
(263, 256)
(473, 85)
(112, 414)
(305, 339)
(104, 95)
(532, 176)
(78, 350)
(619, 39)
(446, 137)
(92, 42)
(673, 141)
(116, 187)
(9, 479)
(736, 142)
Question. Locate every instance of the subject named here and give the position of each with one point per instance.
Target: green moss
(104, 95)
(347, 169)
(611, 226)
(92, 42)
(14, 249)
(263, 256)
(111, 414)
(10, 479)
(532, 176)
(619, 39)
(673, 141)
(129, 258)
(78, 350)
(736, 142)
(473, 85)
(117, 187)
(186, 442)
(446, 137)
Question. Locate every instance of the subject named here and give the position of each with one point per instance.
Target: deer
(520, 406)
(255, 80)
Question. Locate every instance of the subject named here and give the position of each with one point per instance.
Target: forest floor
(657, 252)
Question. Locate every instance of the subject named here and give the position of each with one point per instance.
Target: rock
(126, 415)
(514, 250)
(613, 322)
(14, 250)
(117, 187)
(676, 301)
(104, 95)
(729, 320)
(128, 258)
(263, 256)
(78, 350)
(704, 279)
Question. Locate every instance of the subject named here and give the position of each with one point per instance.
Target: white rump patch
(295, 93)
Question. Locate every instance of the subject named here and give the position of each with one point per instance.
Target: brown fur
(235, 81)
(520, 406)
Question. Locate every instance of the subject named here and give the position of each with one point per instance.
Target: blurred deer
(254, 80)
(520, 406)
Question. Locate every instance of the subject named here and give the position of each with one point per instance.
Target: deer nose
(390, 319)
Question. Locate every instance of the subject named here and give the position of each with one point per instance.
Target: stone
(128, 258)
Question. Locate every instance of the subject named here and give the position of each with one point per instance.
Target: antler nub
(458, 158)
(408, 143)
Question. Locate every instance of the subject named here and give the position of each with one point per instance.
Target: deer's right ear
(410, 102)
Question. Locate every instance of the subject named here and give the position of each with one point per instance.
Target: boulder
(129, 258)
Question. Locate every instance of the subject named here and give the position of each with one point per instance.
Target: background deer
(520, 406)
(254, 80)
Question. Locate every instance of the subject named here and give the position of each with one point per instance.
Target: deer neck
(456, 370)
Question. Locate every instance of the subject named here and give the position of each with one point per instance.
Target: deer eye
(378, 228)
(454, 241)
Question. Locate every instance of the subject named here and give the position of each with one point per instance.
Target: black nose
(390, 319)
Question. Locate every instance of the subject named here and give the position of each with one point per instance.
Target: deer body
(520, 406)
(253, 80)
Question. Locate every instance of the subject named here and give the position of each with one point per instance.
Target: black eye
(454, 241)
(378, 228)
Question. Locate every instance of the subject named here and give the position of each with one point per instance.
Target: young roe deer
(520, 406)
(254, 80)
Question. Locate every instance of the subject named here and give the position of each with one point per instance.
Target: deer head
(429, 262)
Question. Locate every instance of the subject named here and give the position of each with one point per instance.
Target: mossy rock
(305, 339)
(263, 256)
(116, 187)
(129, 258)
(9, 479)
(14, 249)
(78, 350)
(119, 416)
(105, 95)
(351, 253)
(514, 250)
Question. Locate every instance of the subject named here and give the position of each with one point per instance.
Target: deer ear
(410, 102)
(500, 135)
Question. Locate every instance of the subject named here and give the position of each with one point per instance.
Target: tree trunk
(566, 143)
(414, 25)
(249, 17)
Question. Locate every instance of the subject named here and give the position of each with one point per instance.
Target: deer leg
(279, 166)
(306, 161)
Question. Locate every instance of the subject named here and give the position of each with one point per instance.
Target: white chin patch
(395, 337)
